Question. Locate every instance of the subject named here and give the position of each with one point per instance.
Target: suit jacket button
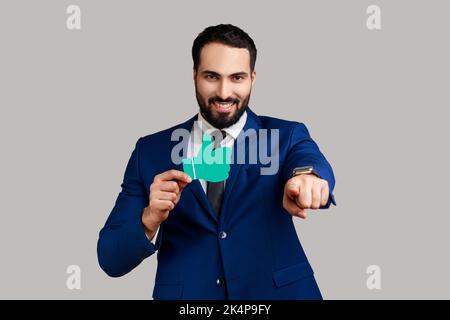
(222, 235)
(220, 282)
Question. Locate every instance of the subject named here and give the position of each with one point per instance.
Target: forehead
(224, 59)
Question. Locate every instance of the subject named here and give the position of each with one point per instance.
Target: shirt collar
(233, 130)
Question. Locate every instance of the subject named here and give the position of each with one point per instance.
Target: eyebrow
(241, 73)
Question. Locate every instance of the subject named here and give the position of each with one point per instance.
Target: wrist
(150, 223)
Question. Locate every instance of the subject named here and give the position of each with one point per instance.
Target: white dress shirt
(196, 138)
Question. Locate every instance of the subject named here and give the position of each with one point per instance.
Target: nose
(224, 90)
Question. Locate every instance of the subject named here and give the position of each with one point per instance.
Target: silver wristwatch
(305, 169)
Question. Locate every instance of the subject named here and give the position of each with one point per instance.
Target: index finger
(173, 174)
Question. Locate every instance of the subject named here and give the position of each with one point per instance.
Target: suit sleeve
(122, 243)
(303, 151)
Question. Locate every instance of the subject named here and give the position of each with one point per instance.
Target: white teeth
(224, 105)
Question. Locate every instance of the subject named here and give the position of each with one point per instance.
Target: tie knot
(218, 137)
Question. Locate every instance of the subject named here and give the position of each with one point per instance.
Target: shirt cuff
(153, 240)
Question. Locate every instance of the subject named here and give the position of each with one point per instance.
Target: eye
(238, 78)
(210, 76)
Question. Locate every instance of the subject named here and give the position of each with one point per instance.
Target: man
(233, 239)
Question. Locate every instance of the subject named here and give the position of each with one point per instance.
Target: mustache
(217, 99)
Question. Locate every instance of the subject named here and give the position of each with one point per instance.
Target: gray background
(73, 104)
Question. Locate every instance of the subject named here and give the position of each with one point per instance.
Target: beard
(221, 121)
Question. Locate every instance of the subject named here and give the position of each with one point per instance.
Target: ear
(194, 74)
(253, 77)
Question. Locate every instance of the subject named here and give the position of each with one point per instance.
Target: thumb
(182, 184)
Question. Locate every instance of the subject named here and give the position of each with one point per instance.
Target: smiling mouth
(223, 107)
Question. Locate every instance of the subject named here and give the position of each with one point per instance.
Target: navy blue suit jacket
(250, 252)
